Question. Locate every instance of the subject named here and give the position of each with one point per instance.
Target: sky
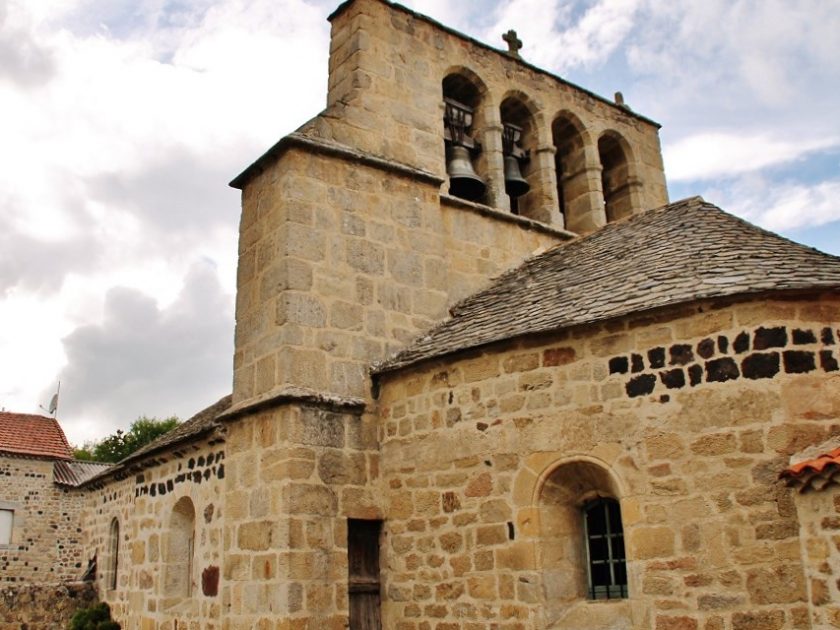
(124, 120)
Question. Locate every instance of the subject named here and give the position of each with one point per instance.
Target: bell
(515, 184)
(463, 180)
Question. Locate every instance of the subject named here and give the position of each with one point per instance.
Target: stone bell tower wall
(343, 259)
(387, 65)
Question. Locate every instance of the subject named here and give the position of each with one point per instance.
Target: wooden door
(363, 574)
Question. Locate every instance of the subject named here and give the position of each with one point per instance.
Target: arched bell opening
(569, 163)
(462, 124)
(519, 144)
(616, 180)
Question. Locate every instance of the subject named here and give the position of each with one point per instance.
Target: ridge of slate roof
(202, 423)
(75, 473)
(816, 473)
(678, 253)
(33, 435)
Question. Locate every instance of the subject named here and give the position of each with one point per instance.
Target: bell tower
(438, 163)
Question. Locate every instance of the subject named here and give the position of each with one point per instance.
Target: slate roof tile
(678, 253)
(75, 473)
(33, 436)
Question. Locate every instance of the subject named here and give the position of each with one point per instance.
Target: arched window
(581, 543)
(615, 177)
(178, 574)
(604, 538)
(113, 554)
(462, 122)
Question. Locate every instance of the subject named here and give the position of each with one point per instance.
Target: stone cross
(513, 42)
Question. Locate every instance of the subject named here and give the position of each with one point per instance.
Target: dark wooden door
(363, 574)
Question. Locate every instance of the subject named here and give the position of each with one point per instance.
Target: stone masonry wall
(385, 98)
(143, 503)
(46, 536)
(341, 263)
(296, 473)
(43, 606)
(819, 522)
(480, 453)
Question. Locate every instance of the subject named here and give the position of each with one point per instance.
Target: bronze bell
(463, 180)
(515, 184)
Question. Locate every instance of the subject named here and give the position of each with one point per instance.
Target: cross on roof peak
(513, 42)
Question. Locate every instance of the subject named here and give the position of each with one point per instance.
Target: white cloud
(779, 206)
(147, 360)
(724, 154)
(122, 125)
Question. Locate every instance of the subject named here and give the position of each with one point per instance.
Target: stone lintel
(494, 213)
(294, 395)
(328, 147)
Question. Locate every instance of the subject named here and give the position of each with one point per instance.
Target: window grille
(606, 564)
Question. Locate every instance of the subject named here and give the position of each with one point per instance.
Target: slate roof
(816, 473)
(678, 253)
(33, 436)
(202, 423)
(76, 472)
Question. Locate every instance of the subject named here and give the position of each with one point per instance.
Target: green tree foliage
(97, 617)
(121, 444)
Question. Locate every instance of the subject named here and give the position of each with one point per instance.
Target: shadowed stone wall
(43, 606)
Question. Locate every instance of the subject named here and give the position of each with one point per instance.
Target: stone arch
(569, 140)
(560, 494)
(521, 117)
(618, 178)
(113, 554)
(464, 91)
(180, 551)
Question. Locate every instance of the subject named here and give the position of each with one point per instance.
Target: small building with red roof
(40, 507)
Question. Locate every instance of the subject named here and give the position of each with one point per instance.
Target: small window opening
(7, 520)
(606, 562)
(113, 553)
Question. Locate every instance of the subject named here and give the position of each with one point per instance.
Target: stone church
(486, 376)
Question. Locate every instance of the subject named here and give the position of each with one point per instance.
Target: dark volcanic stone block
(619, 365)
(801, 337)
(637, 363)
(640, 385)
(656, 357)
(827, 336)
(723, 344)
(827, 361)
(706, 348)
(799, 362)
(673, 379)
(741, 343)
(770, 338)
(695, 375)
(681, 354)
(760, 365)
(721, 370)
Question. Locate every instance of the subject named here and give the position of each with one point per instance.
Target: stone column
(585, 198)
(543, 204)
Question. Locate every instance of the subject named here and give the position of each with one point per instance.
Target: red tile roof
(814, 473)
(29, 434)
